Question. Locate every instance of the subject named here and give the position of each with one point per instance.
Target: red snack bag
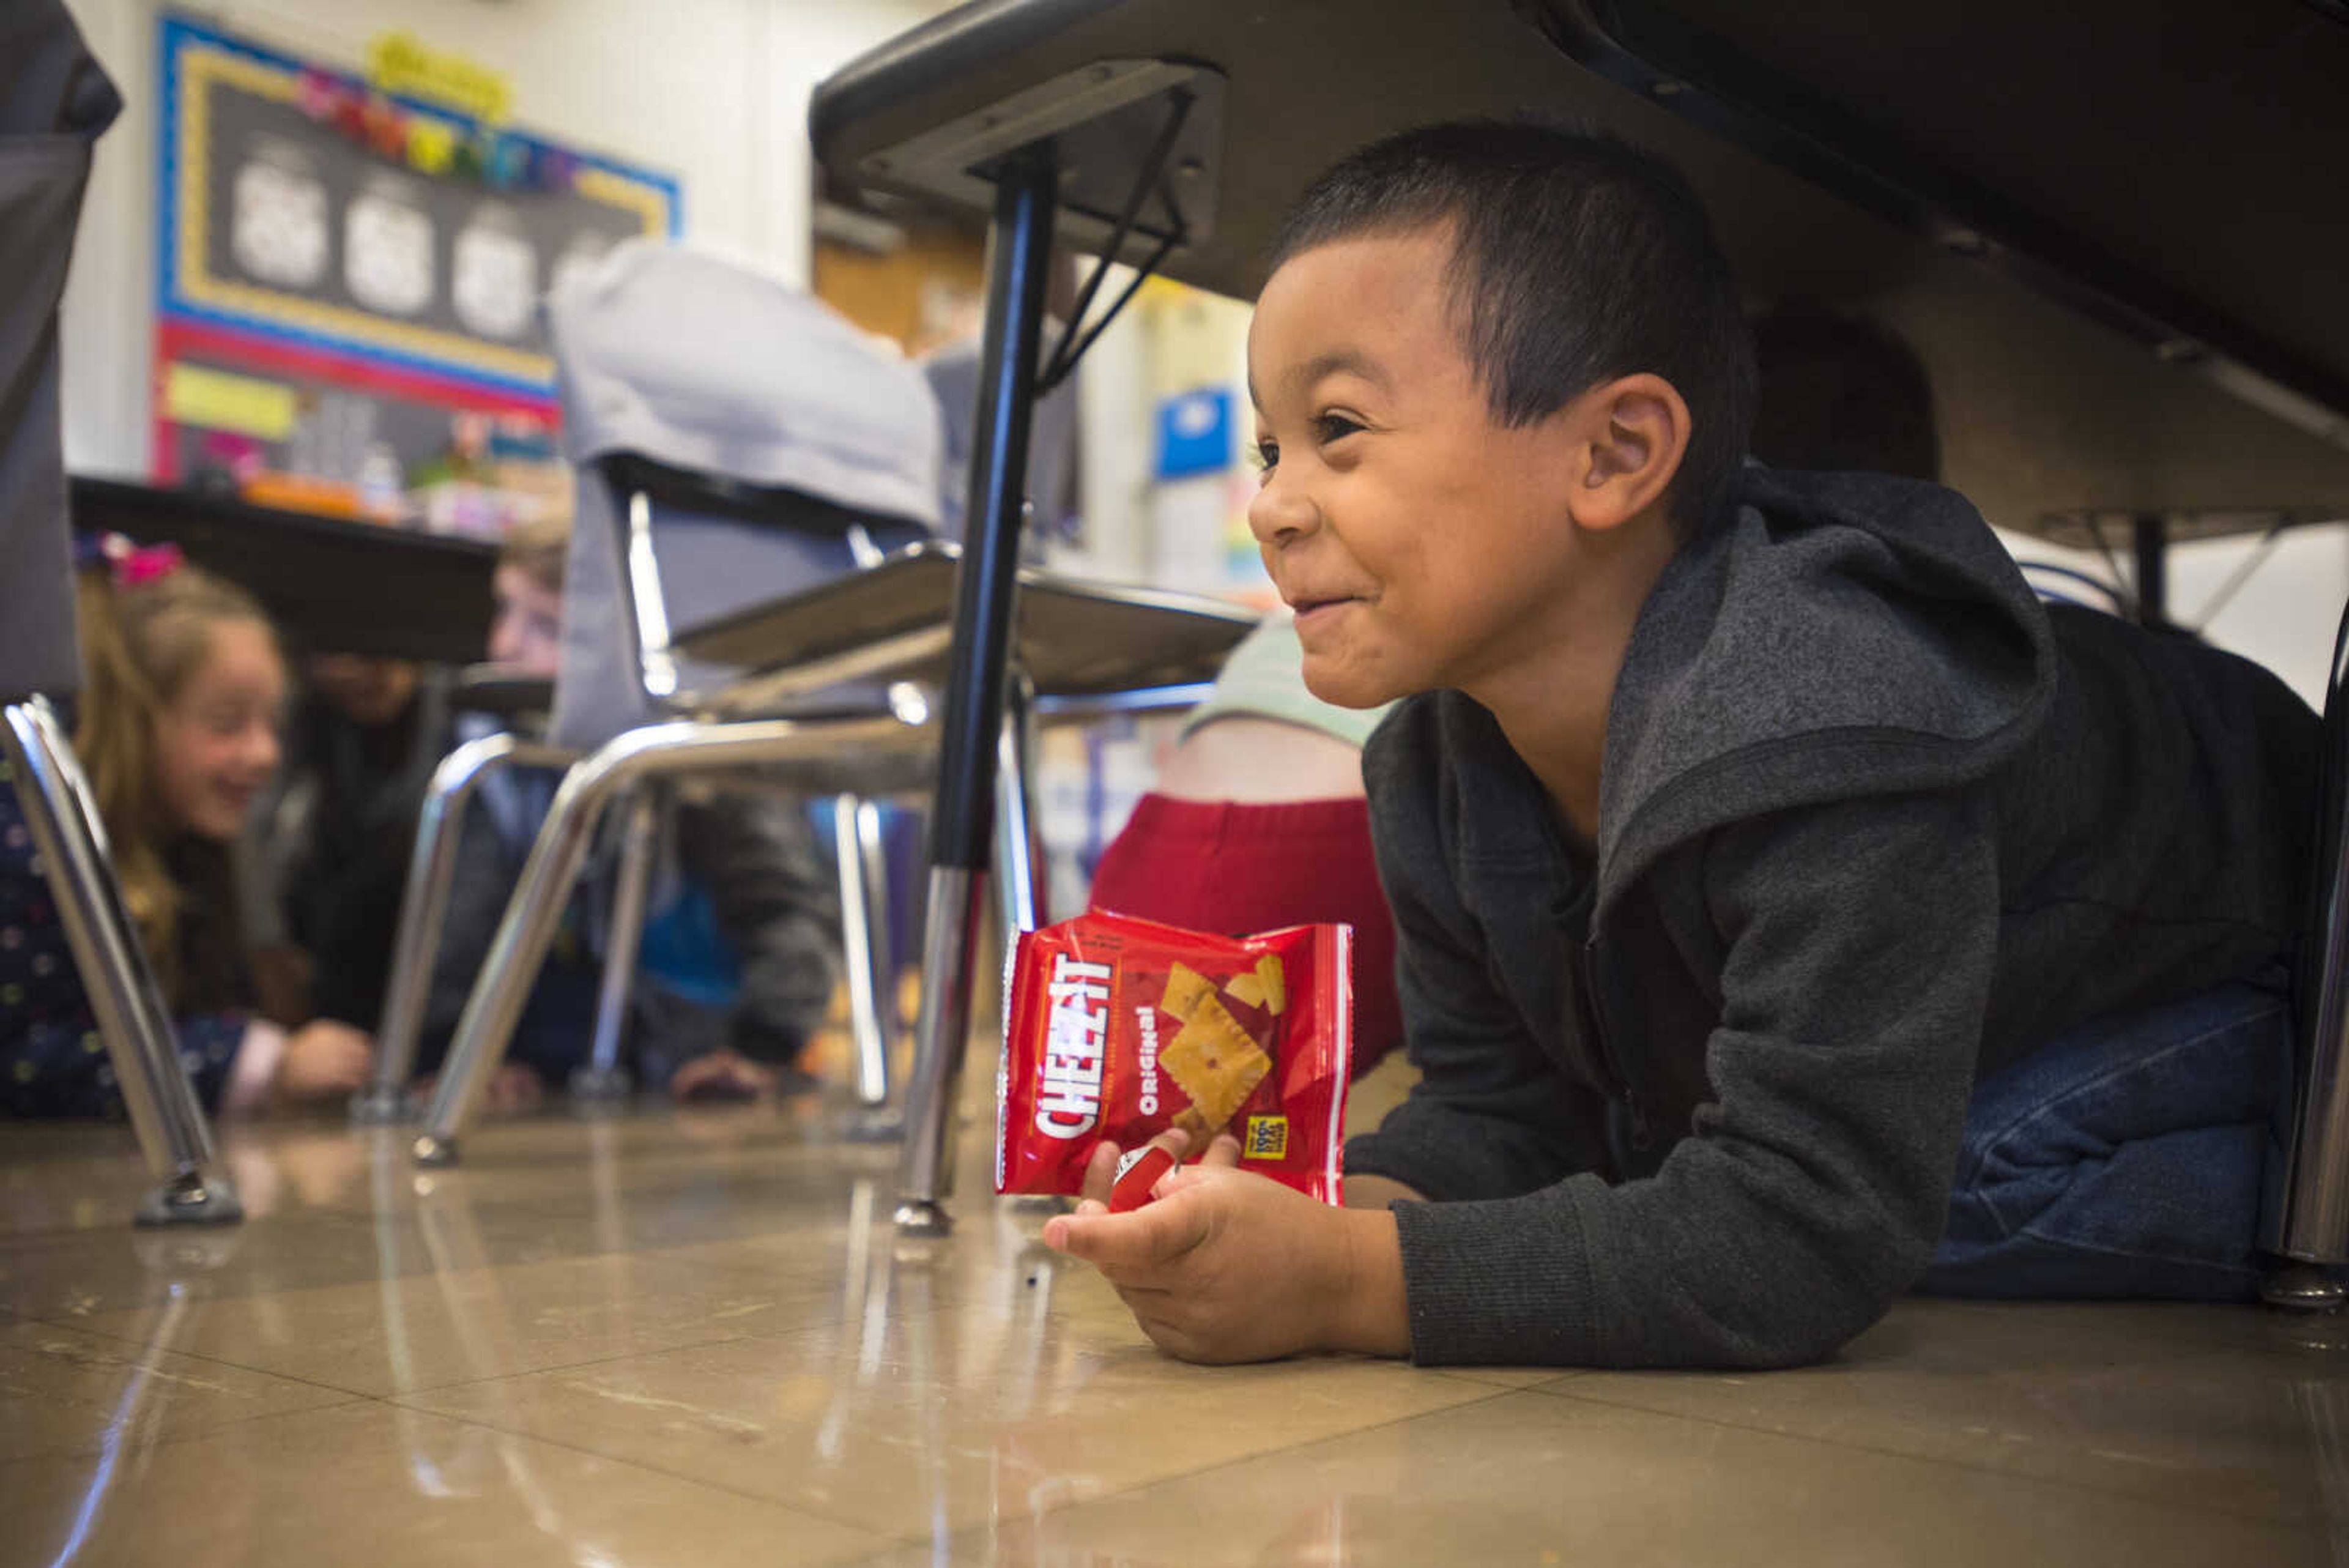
(1119, 1028)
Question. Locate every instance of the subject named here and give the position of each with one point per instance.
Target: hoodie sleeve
(1859, 944)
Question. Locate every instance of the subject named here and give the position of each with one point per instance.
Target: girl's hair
(140, 641)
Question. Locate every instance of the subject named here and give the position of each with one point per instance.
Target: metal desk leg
(2312, 1225)
(2150, 543)
(519, 946)
(604, 1077)
(1020, 256)
(864, 939)
(141, 1042)
(431, 866)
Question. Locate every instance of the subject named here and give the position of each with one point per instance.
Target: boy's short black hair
(1576, 258)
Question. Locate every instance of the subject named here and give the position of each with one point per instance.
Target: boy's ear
(1629, 436)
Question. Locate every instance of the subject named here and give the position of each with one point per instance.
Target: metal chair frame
(636, 765)
(70, 838)
(424, 909)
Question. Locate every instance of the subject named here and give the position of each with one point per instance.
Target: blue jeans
(2130, 1157)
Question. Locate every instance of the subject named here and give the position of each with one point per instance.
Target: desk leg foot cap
(2300, 1287)
(876, 1125)
(601, 1083)
(922, 1217)
(381, 1107)
(191, 1200)
(435, 1153)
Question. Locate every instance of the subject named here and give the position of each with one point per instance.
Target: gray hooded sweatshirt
(1873, 822)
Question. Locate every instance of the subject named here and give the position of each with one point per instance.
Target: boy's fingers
(1100, 1172)
(1182, 1179)
(1128, 1244)
(1224, 1154)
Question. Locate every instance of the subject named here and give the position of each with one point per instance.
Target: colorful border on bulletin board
(281, 358)
(194, 58)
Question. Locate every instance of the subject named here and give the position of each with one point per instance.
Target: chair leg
(511, 965)
(604, 1078)
(509, 969)
(415, 949)
(131, 1018)
(864, 941)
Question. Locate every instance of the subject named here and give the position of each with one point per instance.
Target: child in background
(177, 729)
(735, 971)
(1257, 821)
(360, 748)
(1791, 910)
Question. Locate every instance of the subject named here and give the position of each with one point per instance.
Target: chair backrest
(733, 441)
(54, 103)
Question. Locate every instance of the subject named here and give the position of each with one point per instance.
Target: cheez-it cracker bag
(1119, 1028)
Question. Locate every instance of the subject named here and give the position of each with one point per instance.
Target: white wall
(2283, 615)
(713, 91)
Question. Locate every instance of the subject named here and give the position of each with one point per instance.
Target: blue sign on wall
(1195, 433)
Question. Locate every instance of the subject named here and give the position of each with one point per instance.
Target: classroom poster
(348, 279)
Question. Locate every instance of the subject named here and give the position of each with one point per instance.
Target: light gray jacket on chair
(695, 364)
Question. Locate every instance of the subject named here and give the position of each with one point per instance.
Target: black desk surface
(2113, 228)
(332, 586)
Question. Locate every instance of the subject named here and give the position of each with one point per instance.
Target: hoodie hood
(1939, 662)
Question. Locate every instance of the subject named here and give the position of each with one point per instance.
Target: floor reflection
(638, 1339)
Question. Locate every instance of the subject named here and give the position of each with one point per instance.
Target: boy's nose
(1280, 514)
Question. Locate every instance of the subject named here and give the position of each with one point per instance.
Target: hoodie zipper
(1619, 1085)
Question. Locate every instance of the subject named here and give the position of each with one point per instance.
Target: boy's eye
(1268, 455)
(1333, 427)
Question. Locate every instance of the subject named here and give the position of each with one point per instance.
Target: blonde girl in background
(177, 724)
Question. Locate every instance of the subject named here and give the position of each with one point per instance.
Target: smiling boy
(1789, 908)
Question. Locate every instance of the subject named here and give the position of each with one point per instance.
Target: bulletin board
(342, 271)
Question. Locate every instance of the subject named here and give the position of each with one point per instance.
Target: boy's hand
(1230, 1266)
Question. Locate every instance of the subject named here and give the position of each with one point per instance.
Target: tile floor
(695, 1340)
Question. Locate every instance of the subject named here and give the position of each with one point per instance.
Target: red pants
(1234, 869)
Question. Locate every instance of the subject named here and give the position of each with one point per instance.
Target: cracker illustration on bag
(1118, 1028)
(1215, 1063)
